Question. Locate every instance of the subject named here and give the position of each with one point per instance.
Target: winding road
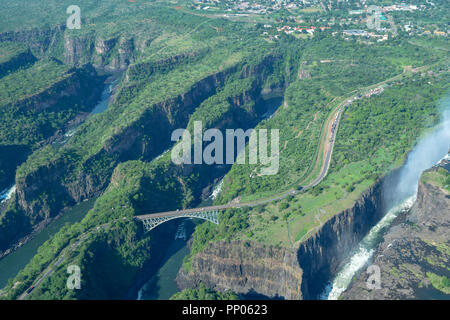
(326, 144)
(331, 126)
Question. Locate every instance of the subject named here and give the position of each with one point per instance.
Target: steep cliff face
(145, 138)
(39, 183)
(10, 157)
(299, 273)
(20, 60)
(246, 268)
(43, 192)
(113, 54)
(152, 184)
(321, 255)
(35, 192)
(157, 123)
(77, 50)
(414, 255)
(144, 70)
(74, 94)
(82, 87)
(39, 40)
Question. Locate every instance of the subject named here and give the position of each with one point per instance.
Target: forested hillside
(174, 66)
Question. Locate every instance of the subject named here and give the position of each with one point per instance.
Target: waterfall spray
(400, 197)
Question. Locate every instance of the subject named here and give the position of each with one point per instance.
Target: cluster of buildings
(400, 7)
(355, 19)
(364, 33)
(249, 7)
(394, 7)
(371, 92)
(310, 30)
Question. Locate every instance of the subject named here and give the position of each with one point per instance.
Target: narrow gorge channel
(162, 285)
(399, 198)
(15, 260)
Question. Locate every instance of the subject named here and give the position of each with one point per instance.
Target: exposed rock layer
(300, 273)
(415, 248)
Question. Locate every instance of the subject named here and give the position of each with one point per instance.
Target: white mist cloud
(428, 152)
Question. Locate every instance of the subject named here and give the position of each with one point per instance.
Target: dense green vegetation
(203, 293)
(309, 101)
(133, 189)
(369, 138)
(108, 213)
(26, 115)
(139, 107)
(441, 283)
(13, 56)
(439, 177)
(26, 82)
(8, 50)
(185, 67)
(372, 139)
(37, 99)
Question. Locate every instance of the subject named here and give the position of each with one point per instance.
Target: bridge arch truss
(152, 222)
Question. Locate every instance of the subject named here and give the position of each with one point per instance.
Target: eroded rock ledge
(414, 255)
(302, 272)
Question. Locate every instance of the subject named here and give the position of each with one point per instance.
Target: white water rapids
(363, 252)
(217, 190)
(6, 194)
(432, 147)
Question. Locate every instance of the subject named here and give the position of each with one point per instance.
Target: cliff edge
(414, 255)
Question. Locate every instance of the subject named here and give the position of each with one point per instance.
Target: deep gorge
(301, 272)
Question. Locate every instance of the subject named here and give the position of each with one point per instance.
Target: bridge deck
(325, 165)
(215, 208)
(181, 212)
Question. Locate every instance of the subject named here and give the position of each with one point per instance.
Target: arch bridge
(151, 221)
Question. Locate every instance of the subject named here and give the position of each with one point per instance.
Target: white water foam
(7, 194)
(217, 190)
(364, 252)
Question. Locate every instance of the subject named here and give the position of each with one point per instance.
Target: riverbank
(431, 149)
(162, 285)
(158, 278)
(15, 260)
(413, 254)
(60, 138)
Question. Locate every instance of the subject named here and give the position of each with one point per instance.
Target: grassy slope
(372, 139)
(310, 101)
(439, 178)
(133, 189)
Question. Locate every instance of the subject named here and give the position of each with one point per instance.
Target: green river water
(17, 260)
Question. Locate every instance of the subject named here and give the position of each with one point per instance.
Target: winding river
(12, 263)
(162, 285)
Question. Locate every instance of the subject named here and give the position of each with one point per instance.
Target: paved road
(328, 149)
(329, 144)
